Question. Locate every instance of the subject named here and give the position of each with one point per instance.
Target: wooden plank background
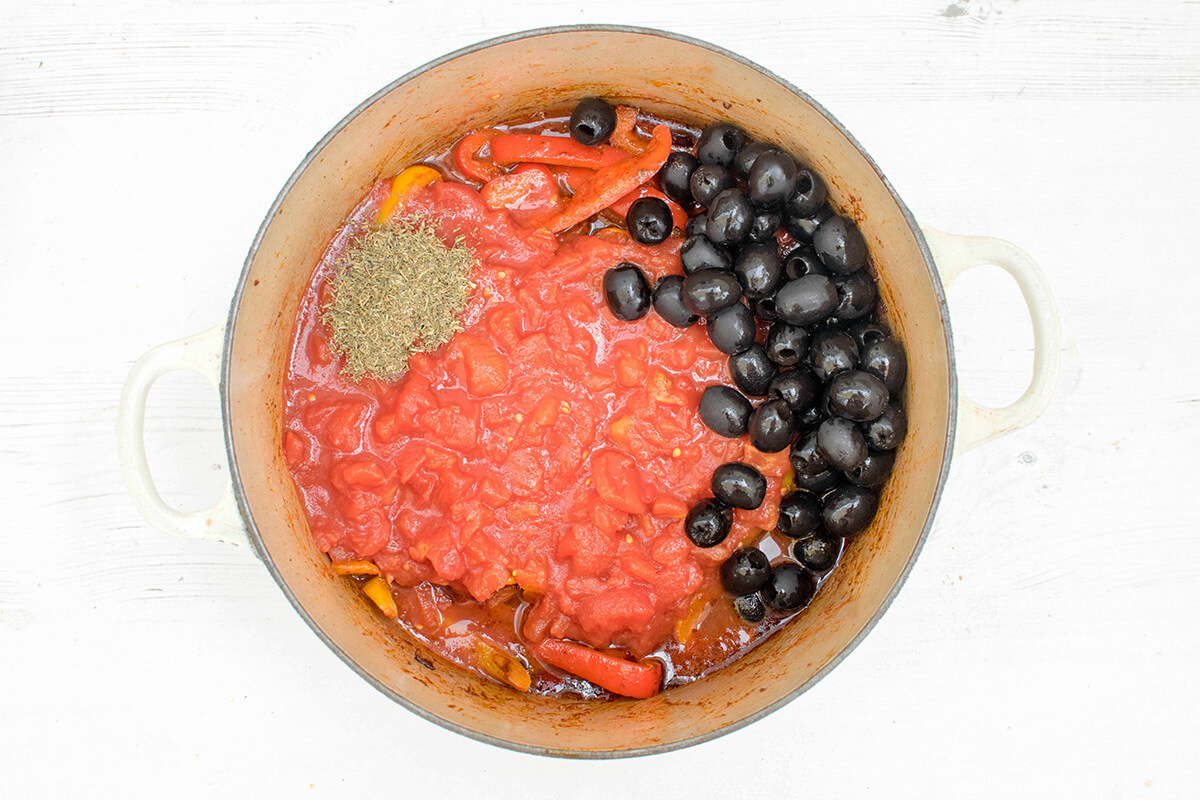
(1044, 645)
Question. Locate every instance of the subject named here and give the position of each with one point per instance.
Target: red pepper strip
(562, 151)
(614, 182)
(624, 136)
(638, 679)
(678, 215)
(466, 155)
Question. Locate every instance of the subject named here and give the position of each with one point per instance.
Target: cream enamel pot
(509, 78)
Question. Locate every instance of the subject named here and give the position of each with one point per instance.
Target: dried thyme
(397, 291)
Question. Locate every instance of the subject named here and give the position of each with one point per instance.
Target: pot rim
(235, 475)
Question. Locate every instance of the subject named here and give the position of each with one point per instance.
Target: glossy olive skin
(772, 179)
(752, 371)
(708, 181)
(789, 588)
(816, 553)
(708, 522)
(831, 352)
(627, 292)
(698, 252)
(732, 329)
(649, 220)
(886, 358)
(730, 216)
(772, 426)
(806, 457)
(856, 295)
(841, 246)
(667, 300)
(740, 486)
(806, 300)
(675, 177)
(808, 197)
(745, 571)
(865, 332)
(874, 469)
(592, 121)
(765, 309)
(758, 269)
(725, 410)
(802, 261)
(799, 515)
(720, 142)
(707, 291)
(888, 430)
(841, 443)
(744, 159)
(799, 388)
(787, 344)
(857, 395)
(848, 510)
(750, 608)
(802, 229)
(695, 225)
(765, 226)
(820, 483)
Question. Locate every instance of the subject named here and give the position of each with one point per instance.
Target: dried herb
(397, 291)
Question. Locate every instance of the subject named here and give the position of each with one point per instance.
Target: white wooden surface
(1045, 645)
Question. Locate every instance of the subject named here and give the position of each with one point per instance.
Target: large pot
(510, 77)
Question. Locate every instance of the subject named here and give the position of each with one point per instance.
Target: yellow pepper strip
(403, 185)
(354, 566)
(502, 666)
(696, 610)
(381, 594)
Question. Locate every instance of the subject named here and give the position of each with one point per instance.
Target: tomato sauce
(529, 480)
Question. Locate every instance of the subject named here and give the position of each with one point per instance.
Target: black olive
(764, 226)
(739, 485)
(696, 225)
(708, 181)
(744, 159)
(752, 371)
(808, 197)
(841, 246)
(812, 416)
(627, 292)
(707, 291)
(675, 177)
(668, 302)
(750, 607)
(649, 220)
(772, 426)
(745, 571)
(820, 483)
(765, 309)
(856, 295)
(866, 331)
(806, 457)
(789, 588)
(732, 329)
(799, 515)
(886, 358)
(592, 121)
(849, 509)
(725, 410)
(841, 443)
(758, 269)
(772, 179)
(803, 228)
(708, 522)
(796, 387)
(817, 553)
(787, 344)
(730, 216)
(874, 469)
(831, 352)
(806, 300)
(887, 431)
(720, 142)
(803, 261)
(857, 395)
(698, 252)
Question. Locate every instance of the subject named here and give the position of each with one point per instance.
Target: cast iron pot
(509, 78)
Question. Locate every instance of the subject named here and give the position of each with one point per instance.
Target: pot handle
(955, 255)
(200, 353)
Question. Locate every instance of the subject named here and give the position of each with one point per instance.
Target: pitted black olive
(752, 371)
(744, 159)
(887, 431)
(874, 469)
(817, 553)
(730, 216)
(668, 302)
(886, 358)
(787, 344)
(831, 352)
(802, 261)
(848, 510)
(841, 246)
(803, 228)
(808, 197)
(799, 515)
(698, 252)
(592, 121)
(708, 522)
(806, 300)
(841, 443)
(708, 181)
(857, 395)
(720, 142)
(675, 177)
(627, 292)
(740, 486)
(789, 588)
(732, 329)
(707, 291)
(745, 571)
(725, 410)
(649, 220)
(758, 269)
(772, 426)
(797, 387)
(856, 295)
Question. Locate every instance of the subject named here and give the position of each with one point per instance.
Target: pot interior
(512, 78)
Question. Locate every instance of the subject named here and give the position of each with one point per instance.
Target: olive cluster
(812, 367)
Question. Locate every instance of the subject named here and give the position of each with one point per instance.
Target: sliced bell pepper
(354, 566)
(560, 151)
(679, 217)
(624, 136)
(466, 155)
(613, 182)
(529, 193)
(404, 184)
(502, 666)
(638, 679)
(381, 595)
